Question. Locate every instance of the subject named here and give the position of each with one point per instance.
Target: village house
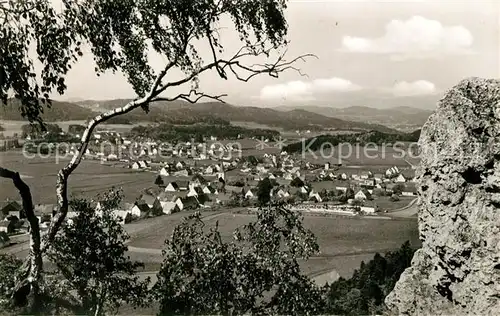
(304, 189)
(10, 208)
(208, 189)
(209, 170)
(183, 173)
(316, 198)
(169, 207)
(392, 172)
(176, 186)
(140, 209)
(378, 177)
(197, 180)
(164, 172)
(172, 187)
(122, 212)
(389, 187)
(409, 190)
(195, 191)
(400, 179)
(190, 202)
(362, 194)
(180, 165)
(248, 193)
(369, 207)
(148, 199)
(141, 164)
(342, 188)
(282, 193)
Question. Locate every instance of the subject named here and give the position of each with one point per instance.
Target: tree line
(198, 132)
(372, 137)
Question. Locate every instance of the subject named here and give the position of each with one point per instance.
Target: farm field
(89, 179)
(344, 242)
(335, 235)
(357, 155)
(385, 204)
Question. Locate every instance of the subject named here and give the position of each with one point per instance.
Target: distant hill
(59, 111)
(179, 111)
(393, 117)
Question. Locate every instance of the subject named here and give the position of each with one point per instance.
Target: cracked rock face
(457, 270)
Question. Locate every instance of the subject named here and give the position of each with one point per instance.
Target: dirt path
(407, 211)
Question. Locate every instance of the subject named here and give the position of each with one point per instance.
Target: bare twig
(193, 92)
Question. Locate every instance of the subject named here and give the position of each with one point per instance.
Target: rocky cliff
(457, 270)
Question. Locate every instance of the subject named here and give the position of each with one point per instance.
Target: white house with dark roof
(400, 179)
(164, 172)
(362, 194)
(249, 194)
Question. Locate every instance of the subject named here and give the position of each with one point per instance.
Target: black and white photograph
(250, 157)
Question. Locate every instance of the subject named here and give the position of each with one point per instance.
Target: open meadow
(89, 179)
(344, 242)
(357, 155)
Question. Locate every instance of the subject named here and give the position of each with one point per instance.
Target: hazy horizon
(370, 53)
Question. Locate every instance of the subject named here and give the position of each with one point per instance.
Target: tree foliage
(364, 292)
(8, 269)
(264, 188)
(159, 181)
(256, 272)
(36, 131)
(119, 34)
(398, 188)
(349, 193)
(198, 132)
(90, 253)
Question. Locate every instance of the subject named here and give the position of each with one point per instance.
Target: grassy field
(357, 155)
(89, 179)
(336, 235)
(344, 242)
(385, 204)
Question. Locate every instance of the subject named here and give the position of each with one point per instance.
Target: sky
(368, 53)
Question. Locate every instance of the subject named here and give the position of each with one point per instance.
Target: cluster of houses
(202, 182)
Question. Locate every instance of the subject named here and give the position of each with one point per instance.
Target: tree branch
(35, 264)
(153, 95)
(234, 64)
(186, 97)
(64, 173)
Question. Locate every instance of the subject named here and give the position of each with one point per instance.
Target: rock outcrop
(457, 270)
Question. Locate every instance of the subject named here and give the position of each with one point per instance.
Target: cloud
(415, 37)
(302, 91)
(419, 87)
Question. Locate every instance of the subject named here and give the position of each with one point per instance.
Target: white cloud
(301, 91)
(415, 37)
(419, 87)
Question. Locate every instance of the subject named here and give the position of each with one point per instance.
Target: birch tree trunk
(28, 289)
